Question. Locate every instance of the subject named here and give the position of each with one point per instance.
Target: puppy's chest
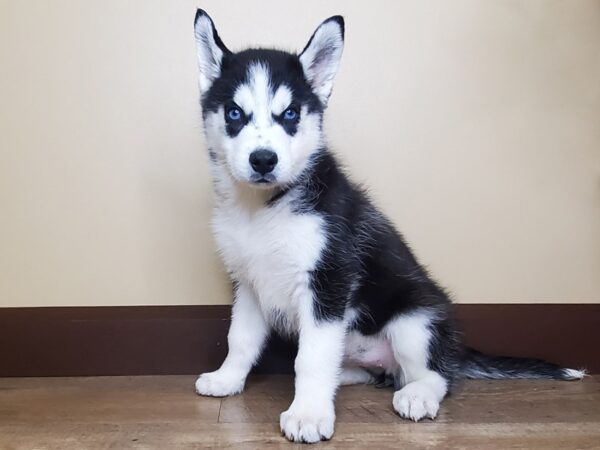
(272, 250)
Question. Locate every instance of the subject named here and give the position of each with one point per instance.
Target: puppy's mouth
(263, 180)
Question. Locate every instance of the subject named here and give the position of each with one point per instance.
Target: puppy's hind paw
(415, 402)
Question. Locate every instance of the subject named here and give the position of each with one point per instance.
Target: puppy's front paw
(416, 401)
(219, 384)
(307, 425)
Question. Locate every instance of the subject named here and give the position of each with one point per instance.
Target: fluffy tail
(477, 365)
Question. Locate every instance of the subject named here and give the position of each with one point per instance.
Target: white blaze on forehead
(256, 97)
(281, 99)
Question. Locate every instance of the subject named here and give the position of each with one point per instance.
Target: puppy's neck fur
(232, 193)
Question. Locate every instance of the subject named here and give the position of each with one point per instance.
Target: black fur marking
(367, 266)
(212, 155)
(233, 127)
(290, 126)
(278, 196)
(478, 365)
(284, 68)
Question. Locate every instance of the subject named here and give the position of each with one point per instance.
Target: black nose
(263, 161)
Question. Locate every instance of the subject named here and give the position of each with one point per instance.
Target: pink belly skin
(370, 352)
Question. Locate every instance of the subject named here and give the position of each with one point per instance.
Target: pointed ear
(321, 56)
(210, 49)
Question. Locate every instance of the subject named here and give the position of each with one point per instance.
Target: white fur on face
(257, 99)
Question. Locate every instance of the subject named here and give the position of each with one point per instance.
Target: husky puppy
(309, 254)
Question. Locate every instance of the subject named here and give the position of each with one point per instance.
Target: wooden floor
(165, 413)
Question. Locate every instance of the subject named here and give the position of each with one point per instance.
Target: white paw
(219, 384)
(355, 375)
(416, 401)
(307, 425)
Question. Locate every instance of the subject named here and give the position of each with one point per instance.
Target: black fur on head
(309, 74)
(283, 67)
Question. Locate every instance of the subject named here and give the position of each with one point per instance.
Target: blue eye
(290, 114)
(234, 114)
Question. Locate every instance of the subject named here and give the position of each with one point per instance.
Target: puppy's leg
(424, 389)
(311, 416)
(355, 375)
(246, 338)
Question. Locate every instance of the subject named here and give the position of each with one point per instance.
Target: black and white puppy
(310, 256)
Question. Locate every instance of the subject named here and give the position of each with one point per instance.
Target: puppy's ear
(210, 49)
(321, 56)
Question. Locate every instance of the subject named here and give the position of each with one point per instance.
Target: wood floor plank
(104, 399)
(471, 402)
(164, 413)
(189, 435)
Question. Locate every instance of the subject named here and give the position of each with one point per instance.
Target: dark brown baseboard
(143, 340)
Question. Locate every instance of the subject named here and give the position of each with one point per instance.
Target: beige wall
(476, 124)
